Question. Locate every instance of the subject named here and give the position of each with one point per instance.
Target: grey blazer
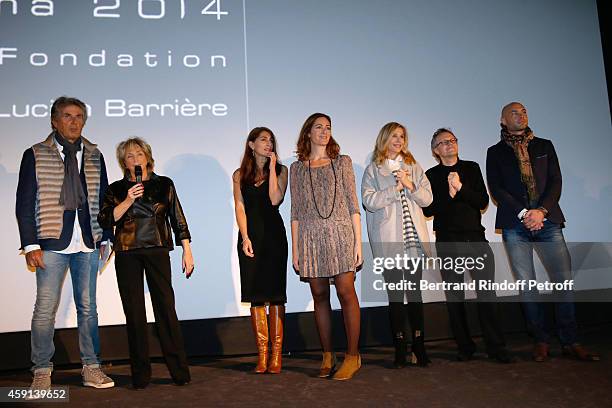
(384, 209)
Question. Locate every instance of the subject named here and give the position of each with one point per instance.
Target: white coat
(384, 209)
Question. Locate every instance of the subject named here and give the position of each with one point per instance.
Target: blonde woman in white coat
(394, 189)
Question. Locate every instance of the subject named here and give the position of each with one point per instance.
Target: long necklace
(314, 200)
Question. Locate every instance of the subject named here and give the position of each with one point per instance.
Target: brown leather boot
(540, 352)
(259, 321)
(277, 321)
(578, 352)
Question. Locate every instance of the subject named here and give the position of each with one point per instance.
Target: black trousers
(471, 244)
(155, 262)
(398, 311)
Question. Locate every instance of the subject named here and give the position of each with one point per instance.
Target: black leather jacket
(147, 222)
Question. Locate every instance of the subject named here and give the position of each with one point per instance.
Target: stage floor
(229, 381)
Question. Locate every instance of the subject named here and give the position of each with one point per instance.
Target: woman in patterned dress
(326, 236)
(394, 189)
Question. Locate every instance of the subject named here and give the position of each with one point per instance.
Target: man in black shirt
(459, 196)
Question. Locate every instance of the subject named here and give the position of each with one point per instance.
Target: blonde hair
(382, 144)
(135, 142)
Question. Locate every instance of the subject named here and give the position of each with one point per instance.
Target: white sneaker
(94, 377)
(40, 383)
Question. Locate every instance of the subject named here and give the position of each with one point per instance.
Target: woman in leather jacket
(143, 209)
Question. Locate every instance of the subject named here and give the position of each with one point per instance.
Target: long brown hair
(303, 143)
(382, 144)
(248, 167)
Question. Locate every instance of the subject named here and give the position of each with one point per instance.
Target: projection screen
(193, 77)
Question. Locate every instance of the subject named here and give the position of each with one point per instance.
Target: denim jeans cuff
(569, 343)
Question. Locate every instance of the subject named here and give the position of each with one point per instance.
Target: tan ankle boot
(328, 364)
(349, 367)
(259, 321)
(277, 321)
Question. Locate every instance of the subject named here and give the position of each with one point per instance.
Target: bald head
(514, 117)
(511, 105)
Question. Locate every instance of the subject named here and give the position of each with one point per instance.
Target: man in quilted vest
(61, 184)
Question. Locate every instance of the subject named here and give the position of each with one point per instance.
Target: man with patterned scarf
(525, 180)
(62, 181)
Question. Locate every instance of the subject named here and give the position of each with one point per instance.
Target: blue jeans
(550, 246)
(49, 281)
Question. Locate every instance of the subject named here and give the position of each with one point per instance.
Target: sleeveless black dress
(263, 278)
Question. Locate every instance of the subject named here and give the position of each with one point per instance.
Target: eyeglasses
(446, 142)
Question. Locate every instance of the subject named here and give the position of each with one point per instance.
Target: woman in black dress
(259, 187)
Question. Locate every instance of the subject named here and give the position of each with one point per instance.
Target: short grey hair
(435, 136)
(64, 101)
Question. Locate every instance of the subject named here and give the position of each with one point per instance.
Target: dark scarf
(72, 195)
(520, 143)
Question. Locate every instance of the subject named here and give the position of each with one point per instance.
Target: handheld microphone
(138, 174)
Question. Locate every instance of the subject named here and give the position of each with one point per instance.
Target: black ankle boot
(419, 355)
(401, 348)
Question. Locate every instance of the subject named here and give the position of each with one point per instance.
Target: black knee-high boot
(415, 316)
(397, 320)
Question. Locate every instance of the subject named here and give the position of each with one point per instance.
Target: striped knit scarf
(410, 238)
(519, 144)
